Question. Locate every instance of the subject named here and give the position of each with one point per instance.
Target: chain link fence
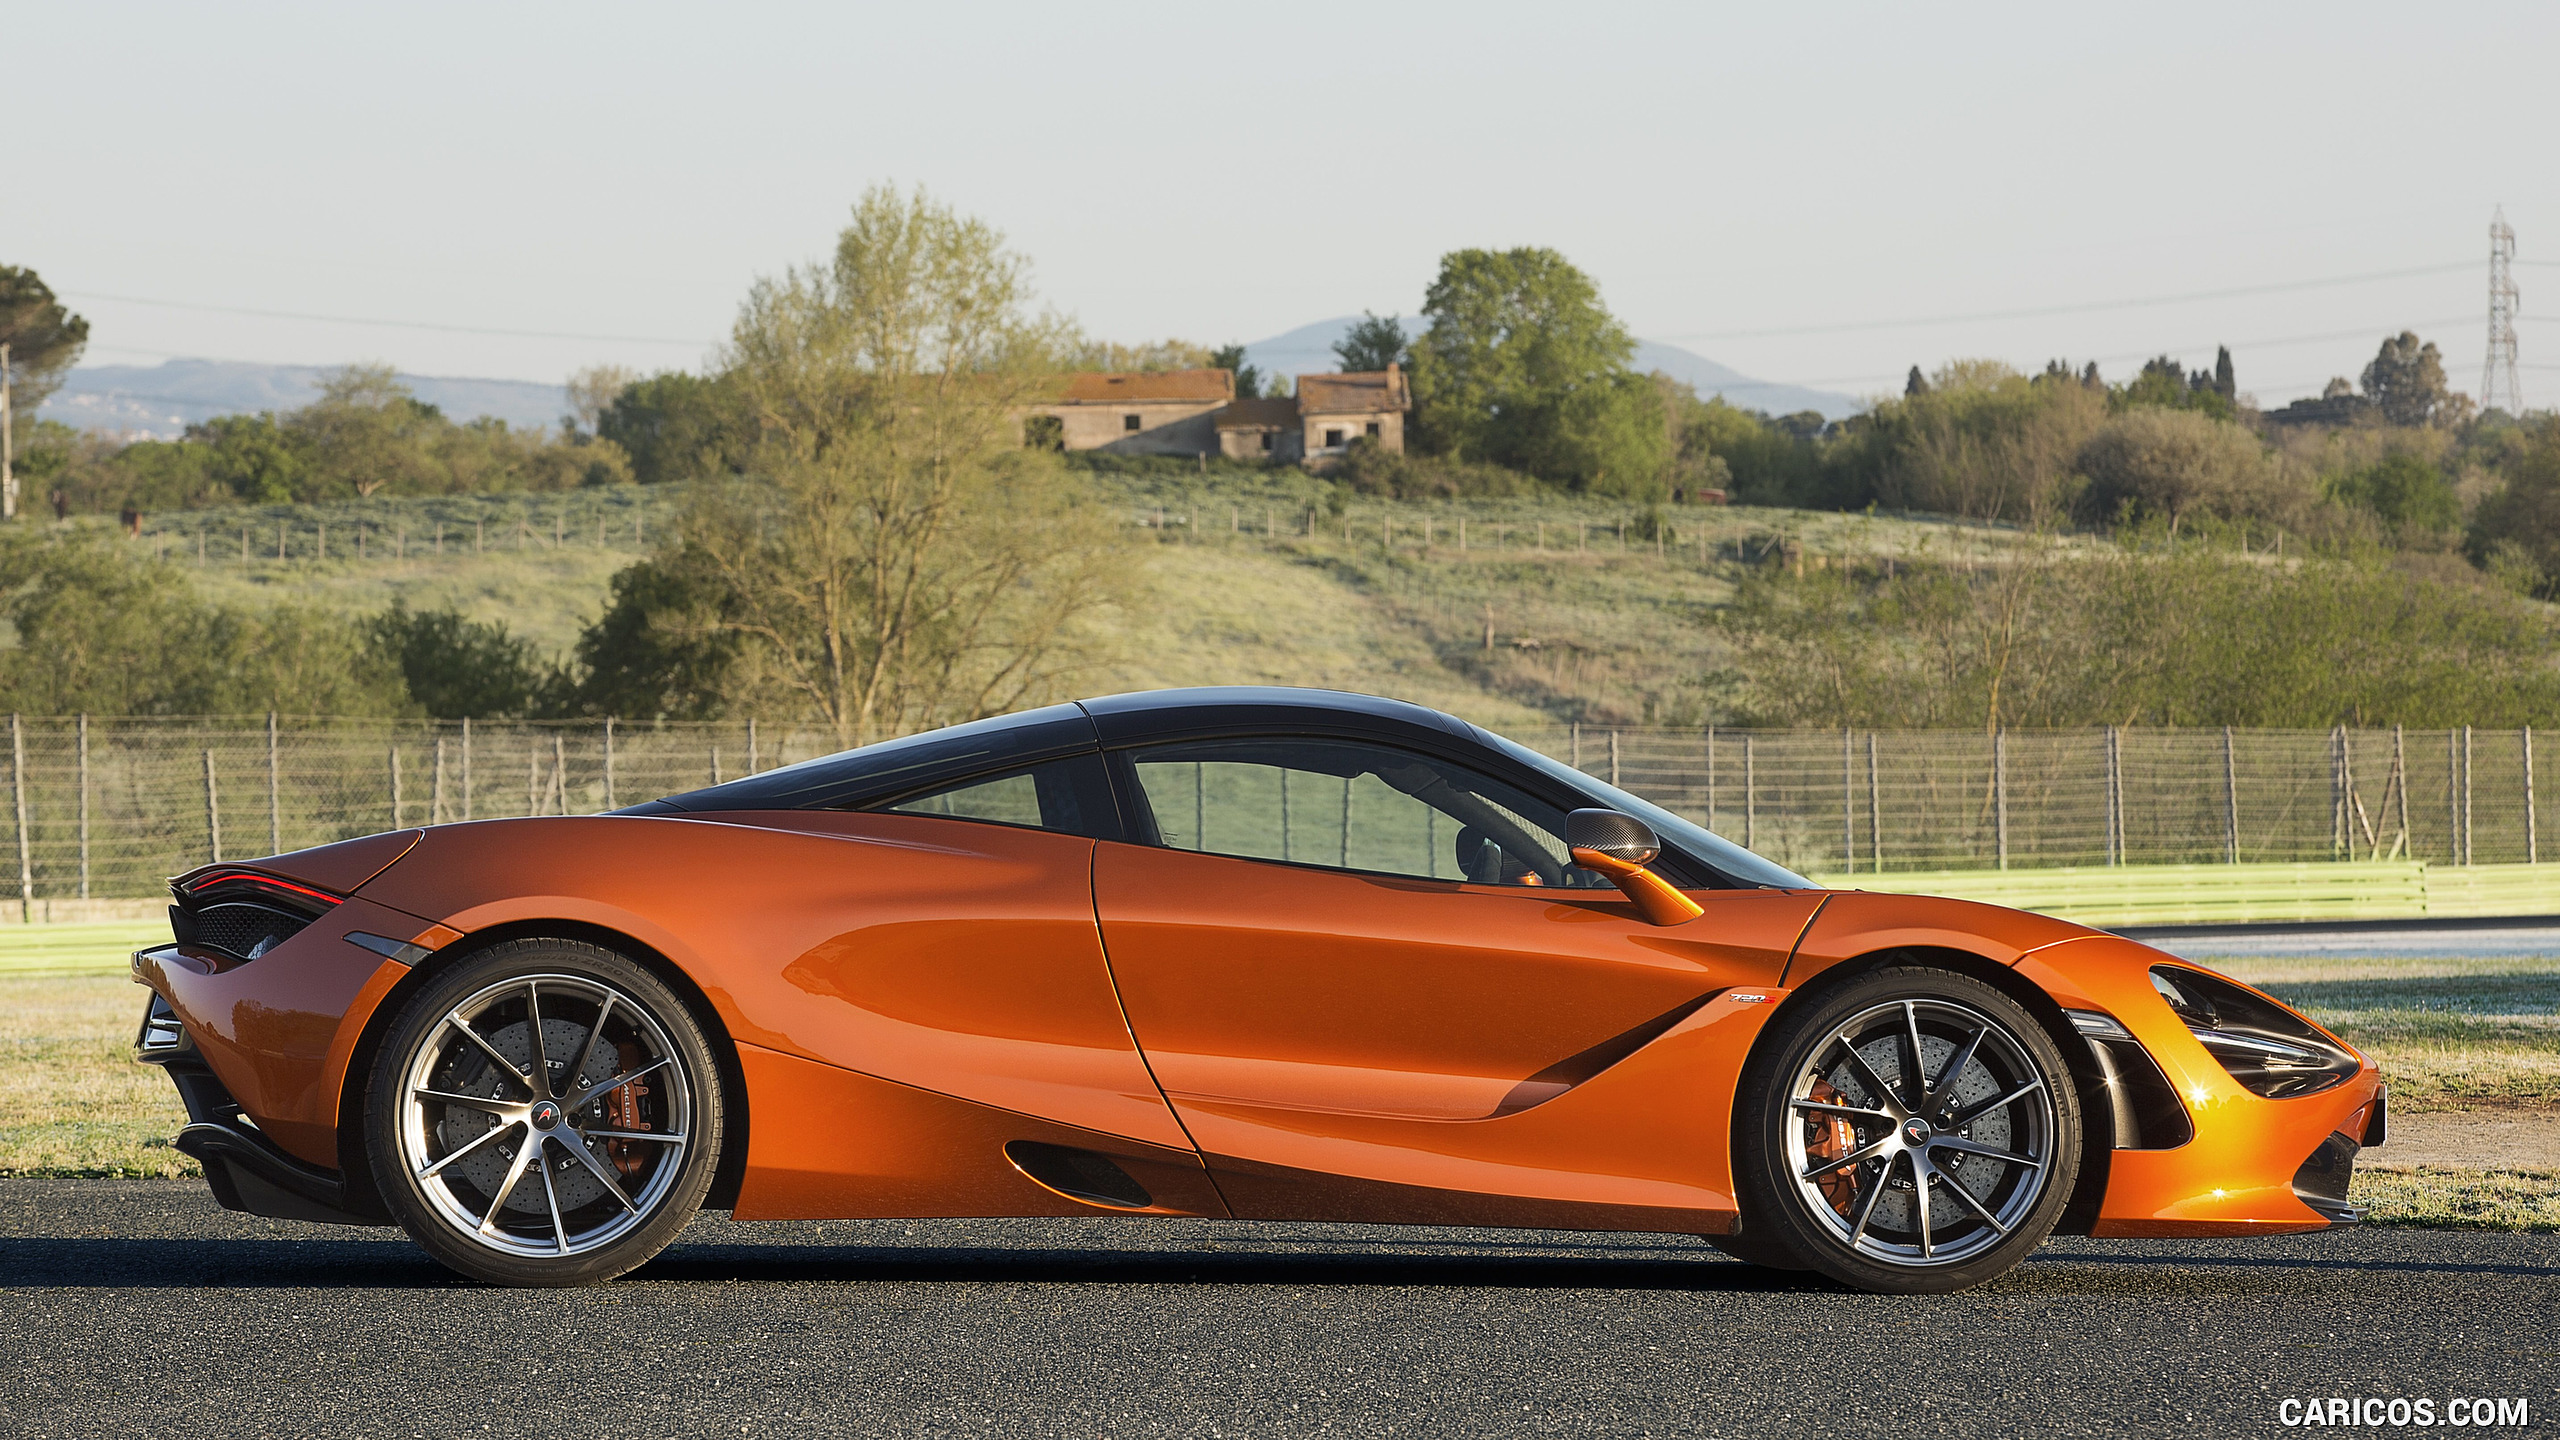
(109, 808)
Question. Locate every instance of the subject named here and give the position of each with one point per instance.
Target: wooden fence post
(1750, 797)
(608, 762)
(396, 796)
(1613, 757)
(275, 793)
(466, 767)
(1848, 802)
(435, 788)
(2532, 842)
(1875, 809)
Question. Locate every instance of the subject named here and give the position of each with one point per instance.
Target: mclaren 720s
(1250, 954)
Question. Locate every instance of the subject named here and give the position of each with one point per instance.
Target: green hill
(1507, 611)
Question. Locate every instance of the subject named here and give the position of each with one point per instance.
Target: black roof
(893, 767)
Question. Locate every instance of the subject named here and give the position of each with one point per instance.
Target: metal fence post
(752, 756)
(608, 762)
(2000, 793)
(2453, 797)
(396, 796)
(18, 792)
(212, 811)
(1848, 802)
(2532, 842)
(435, 789)
(466, 767)
(1750, 797)
(560, 772)
(84, 805)
(1875, 809)
(2115, 799)
(275, 793)
(2230, 799)
(2466, 795)
(1711, 777)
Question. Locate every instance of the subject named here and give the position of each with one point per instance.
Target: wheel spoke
(662, 1137)
(1856, 1157)
(1920, 1174)
(551, 1197)
(603, 1177)
(506, 1187)
(485, 1136)
(1974, 1203)
(1867, 1076)
(1915, 1074)
(595, 1032)
(1953, 1075)
(509, 1066)
(503, 1109)
(1963, 1146)
(1977, 1111)
(617, 1082)
(541, 1055)
(1867, 1206)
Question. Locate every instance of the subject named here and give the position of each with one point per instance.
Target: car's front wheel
(1912, 1130)
(545, 1113)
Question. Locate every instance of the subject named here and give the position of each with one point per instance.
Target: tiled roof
(1093, 388)
(1279, 413)
(1367, 390)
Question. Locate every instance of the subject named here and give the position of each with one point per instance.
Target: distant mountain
(1309, 350)
(162, 400)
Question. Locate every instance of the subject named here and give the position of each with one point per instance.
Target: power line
(385, 324)
(2037, 312)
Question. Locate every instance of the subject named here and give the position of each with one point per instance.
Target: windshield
(1687, 836)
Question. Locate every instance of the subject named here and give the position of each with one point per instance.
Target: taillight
(243, 913)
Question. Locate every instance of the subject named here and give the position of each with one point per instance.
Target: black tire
(1833, 1148)
(624, 1165)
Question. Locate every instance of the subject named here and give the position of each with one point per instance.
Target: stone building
(1196, 412)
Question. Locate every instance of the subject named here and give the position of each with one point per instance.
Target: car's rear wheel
(547, 1112)
(1913, 1130)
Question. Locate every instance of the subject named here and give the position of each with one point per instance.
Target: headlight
(2269, 1049)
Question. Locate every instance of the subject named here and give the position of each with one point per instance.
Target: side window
(1354, 807)
(1071, 795)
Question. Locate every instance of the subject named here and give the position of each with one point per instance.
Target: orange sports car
(1237, 953)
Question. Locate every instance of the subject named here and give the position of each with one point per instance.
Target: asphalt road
(140, 1308)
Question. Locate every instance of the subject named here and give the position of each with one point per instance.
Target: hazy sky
(1766, 185)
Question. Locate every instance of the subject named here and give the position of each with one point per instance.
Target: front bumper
(2253, 1166)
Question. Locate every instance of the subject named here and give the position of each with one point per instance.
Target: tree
(1982, 441)
(1523, 366)
(367, 433)
(1371, 344)
(2520, 520)
(2404, 491)
(2405, 381)
(677, 426)
(44, 338)
(252, 456)
(2225, 382)
(2174, 464)
(1231, 357)
(908, 562)
(592, 390)
(461, 669)
(1915, 383)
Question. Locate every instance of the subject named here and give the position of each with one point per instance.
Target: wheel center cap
(1916, 1131)
(546, 1114)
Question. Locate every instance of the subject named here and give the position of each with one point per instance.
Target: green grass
(2430, 1198)
(72, 1100)
(99, 947)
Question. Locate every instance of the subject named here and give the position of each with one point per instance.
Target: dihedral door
(1318, 1017)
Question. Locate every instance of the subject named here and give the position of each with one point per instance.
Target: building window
(1128, 422)
(1267, 438)
(1373, 429)
(1333, 439)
